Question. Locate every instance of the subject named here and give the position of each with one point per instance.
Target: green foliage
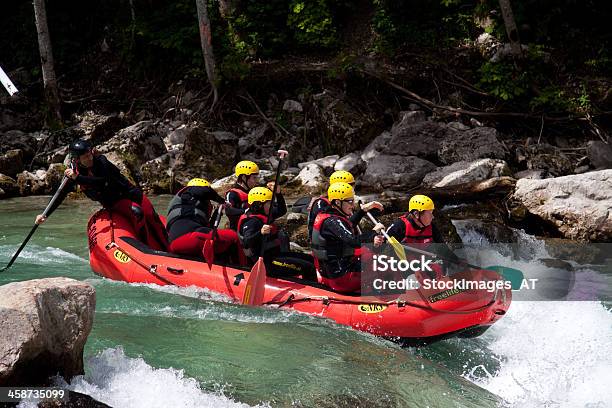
(504, 80)
(312, 23)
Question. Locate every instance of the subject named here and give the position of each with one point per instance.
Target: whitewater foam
(38, 255)
(121, 381)
(554, 354)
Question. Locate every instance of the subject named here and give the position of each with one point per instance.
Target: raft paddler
(247, 177)
(254, 231)
(189, 223)
(100, 180)
(415, 228)
(320, 204)
(336, 244)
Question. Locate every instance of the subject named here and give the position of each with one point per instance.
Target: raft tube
(416, 317)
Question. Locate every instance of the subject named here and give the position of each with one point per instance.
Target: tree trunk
(511, 29)
(46, 58)
(207, 50)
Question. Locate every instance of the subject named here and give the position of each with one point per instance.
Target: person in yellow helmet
(321, 203)
(416, 228)
(336, 243)
(247, 177)
(254, 230)
(189, 223)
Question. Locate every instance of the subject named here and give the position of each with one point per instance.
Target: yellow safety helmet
(261, 194)
(340, 191)
(341, 176)
(421, 203)
(246, 167)
(198, 182)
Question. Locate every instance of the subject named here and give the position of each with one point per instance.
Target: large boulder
(578, 206)
(99, 128)
(327, 163)
(44, 325)
(469, 145)
(11, 162)
(136, 145)
(157, 174)
(352, 163)
(16, 139)
(8, 186)
(376, 146)
(311, 178)
(414, 137)
(396, 172)
(600, 154)
(466, 172)
(207, 154)
(41, 181)
(549, 159)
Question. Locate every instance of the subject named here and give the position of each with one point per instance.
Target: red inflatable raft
(416, 317)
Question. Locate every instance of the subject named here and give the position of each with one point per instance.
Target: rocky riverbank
(559, 187)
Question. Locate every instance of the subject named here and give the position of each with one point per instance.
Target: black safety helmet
(79, 147)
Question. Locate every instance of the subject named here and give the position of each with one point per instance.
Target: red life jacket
(414, 235)
(312, 212)
(319, 244)
(244, 196)
(264, 218)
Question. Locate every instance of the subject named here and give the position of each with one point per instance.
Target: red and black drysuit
(189, 225)
(237, 198)
(337, 248)
(277, 257)
(103, 182)
(319, 205)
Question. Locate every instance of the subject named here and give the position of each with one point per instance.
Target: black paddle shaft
(45, 213)
(278, 170)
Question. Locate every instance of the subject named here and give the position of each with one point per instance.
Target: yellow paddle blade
(398, 248)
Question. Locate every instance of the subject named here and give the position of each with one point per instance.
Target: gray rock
(422, 139)
(176, 136)
(99, 128)
(600, 154)
(396, 172)
(530, 174)
(466, 172)
(470, 145)
(548, 158)
(8, 186)
(44, 325)
(11, 162)
(579, 206)
(292, 106)
(296, 218)
(312, 178)
(458, 126)
(581, 169)
(16, 139)
(326, 163)
(136, 145)
(406, 119)
(376, 146)
(352, 163)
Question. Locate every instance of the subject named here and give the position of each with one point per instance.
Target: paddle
(397, 247)
(301, 204)
(45, 212)
(209, 245)
(515, 276)
(256, 284)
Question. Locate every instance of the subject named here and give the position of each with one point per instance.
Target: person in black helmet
(101, 181)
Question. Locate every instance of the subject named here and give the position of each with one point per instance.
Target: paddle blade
(398, 248)
(510, 274)
(256, 285)
(209, 252)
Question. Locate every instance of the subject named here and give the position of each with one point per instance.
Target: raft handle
(500, 312)
(174, 271)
